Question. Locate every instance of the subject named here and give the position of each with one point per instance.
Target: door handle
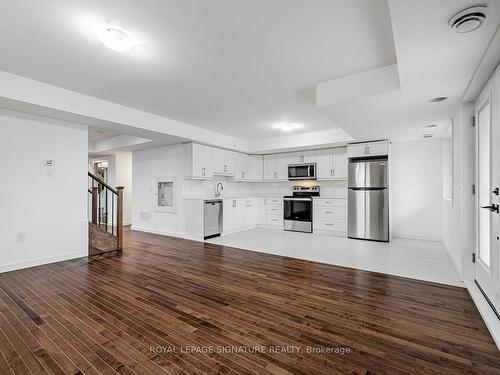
(496, 192)
(492, 208)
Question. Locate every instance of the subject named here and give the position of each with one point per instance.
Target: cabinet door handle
(333, 172)
(328, 212)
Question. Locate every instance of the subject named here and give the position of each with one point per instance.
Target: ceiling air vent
(469, 19)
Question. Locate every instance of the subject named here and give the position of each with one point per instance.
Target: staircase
(105, 212)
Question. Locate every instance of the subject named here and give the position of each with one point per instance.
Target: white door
(487, 259)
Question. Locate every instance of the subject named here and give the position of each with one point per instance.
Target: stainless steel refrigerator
(368, 200)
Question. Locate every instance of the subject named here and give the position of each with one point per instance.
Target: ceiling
(99, 134)
(239, 67)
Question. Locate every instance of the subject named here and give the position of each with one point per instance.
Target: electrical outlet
(20, 236)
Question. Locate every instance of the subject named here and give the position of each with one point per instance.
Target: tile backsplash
(206, 188)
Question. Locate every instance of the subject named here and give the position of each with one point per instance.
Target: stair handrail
(118, 191)
(99, 180)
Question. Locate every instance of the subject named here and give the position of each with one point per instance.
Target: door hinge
(473, 121)
(473, 189)
(473, 257)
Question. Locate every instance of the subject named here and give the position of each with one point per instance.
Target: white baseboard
(41, 261)
(489, 317)
(239, 230)
(165, 233)
(457, 268)
(413, 237)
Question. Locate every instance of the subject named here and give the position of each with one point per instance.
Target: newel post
(119, 217)
(94, 205)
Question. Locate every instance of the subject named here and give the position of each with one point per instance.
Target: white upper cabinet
(224, 161)
(380, 148)
(240, 167)
(332, 163)
(340, 162)
(219, 161)
(282, 161)
(324, 163)
(255, 165)
(306, 157)
(199, 160)
(205, 161)
(248, 167)
(270, 167)
(276, 166)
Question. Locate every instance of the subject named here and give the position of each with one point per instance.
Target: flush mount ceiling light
(115, 39)
(430, 126)
(439, 99)
(288, 126)
(468, 20)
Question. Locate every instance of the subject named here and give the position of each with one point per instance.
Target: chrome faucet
(217, 191)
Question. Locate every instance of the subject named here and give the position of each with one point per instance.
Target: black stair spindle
(112, 215)
(106, 211)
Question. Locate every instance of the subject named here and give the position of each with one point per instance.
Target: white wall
(458, 213)
(416, 189)
(147, 165)
(50, 210)
(123, 177)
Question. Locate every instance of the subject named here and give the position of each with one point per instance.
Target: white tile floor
(423, 260)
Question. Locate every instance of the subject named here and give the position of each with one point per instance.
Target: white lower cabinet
(239, 213)
(270, 211)
(330, 215)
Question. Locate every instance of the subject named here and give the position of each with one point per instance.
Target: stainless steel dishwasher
(213, 218)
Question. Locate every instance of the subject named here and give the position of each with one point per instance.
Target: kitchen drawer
(275, 210)
(274, 201)
(275, 220)
(330, 213)
(335, 225)
(330, 202)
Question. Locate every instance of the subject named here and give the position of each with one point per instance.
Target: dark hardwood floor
(171, 306)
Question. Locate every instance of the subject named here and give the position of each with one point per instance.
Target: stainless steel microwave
(305, 171)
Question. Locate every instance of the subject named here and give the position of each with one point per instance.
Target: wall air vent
(469, 19)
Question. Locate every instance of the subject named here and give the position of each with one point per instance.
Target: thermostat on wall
(49, 162)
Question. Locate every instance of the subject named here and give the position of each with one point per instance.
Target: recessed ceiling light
(439, 99)
(288, 126)
(427, 135)
(430, 126)
(115, 39)
(469, 19)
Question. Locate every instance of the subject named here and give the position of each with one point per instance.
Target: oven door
(302, 172)
(298, 209)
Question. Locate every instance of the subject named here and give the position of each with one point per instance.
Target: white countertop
(205, 197)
